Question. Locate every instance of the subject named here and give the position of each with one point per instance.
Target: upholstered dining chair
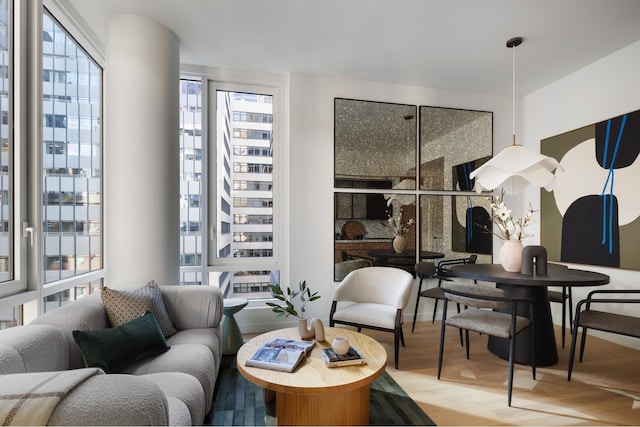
(480, 316)
(615, 323)
(373, 298)
(444, 266)
(564, 297)
(428, 270)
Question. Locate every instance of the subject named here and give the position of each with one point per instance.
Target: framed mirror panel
(455, 226)
(453, 143)
(375, 143)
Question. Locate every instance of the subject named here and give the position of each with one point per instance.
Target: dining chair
(564, 297)
(373, 298)
(605, 321)
(480, 315)
(428, 270)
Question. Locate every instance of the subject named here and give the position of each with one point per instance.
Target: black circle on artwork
(628, 148)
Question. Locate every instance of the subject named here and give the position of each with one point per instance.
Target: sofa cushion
(193, 359)
(114, 349)
(32, 348)
(114, 400)
(123, 306)
(85, 314)
(184, 387)
(211, 337)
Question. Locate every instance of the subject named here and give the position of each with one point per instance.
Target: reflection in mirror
(364, 235)
(453, 143)
(454, 225)
(375, 143)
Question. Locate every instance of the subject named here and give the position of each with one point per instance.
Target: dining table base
(545, 350)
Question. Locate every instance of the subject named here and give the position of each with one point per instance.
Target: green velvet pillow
(114, 349)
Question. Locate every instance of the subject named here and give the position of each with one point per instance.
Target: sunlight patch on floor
(524, 380)
(467, 373)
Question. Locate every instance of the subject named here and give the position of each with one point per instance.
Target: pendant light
(515, 167)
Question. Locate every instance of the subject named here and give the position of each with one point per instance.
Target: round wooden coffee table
(314, 394)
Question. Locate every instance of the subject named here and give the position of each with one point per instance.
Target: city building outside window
(66, 229)
(6, 153)
(71, 160)
(191, 216)
(240, 169)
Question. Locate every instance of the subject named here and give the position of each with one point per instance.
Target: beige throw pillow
(124, 306)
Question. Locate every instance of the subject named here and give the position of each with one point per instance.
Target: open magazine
(280, 354)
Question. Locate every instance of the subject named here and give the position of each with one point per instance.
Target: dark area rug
(239, 402)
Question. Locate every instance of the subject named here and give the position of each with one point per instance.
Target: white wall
(311, 175)
(605, 89)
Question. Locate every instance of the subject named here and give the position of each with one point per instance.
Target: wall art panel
(593, 214)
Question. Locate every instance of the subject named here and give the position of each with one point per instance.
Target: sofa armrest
(32, 348)
(193, 306)
(114, 399)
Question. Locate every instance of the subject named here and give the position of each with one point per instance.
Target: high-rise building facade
(241, 225)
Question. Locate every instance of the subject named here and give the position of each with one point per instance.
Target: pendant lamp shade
(515, 167)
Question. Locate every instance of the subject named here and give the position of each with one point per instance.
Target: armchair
(373, 298)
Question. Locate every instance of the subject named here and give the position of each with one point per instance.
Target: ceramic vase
(511, 255)
(340, 345)
(400, 244)
(314, 329)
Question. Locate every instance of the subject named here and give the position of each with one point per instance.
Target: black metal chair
(428, 270)
(480, 316)
(601, 320)
(565, 298)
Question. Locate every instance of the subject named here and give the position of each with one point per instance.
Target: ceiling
(445, 44)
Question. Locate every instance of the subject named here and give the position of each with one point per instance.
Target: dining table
(534, 287)
(390, 256)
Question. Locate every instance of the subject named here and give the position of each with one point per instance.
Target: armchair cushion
(124, 306)
(114, 349)
(378, 315)
(378, 285)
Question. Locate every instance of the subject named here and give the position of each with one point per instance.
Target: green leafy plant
(290, 298)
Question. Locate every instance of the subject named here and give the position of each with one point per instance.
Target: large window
(6, 143)
(236, 217)
(71, 156)
(243, 253)
(191, 229)
(50, 162)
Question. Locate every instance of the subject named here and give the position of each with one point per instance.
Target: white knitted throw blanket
(30, 398)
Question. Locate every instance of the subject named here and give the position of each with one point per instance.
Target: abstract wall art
(592, 216)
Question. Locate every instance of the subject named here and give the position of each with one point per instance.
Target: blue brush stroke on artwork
(609, 181)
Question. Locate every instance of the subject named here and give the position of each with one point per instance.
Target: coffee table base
(327, 409)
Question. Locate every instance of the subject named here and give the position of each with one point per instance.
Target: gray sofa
(172, 388)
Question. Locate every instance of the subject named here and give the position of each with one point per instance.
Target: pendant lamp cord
(513, 101)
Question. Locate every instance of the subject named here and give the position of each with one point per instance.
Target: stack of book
(334, 360)
(280, 354)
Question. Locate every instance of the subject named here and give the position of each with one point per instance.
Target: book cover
(352, 357)
(280, 354)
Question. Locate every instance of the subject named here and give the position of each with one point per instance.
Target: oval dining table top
(557, 275)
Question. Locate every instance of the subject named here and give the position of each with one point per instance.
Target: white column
(141, 182)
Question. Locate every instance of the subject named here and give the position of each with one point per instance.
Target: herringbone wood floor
(604, 389)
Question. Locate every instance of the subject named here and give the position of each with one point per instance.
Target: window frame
(27, 291)
(215, 263)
